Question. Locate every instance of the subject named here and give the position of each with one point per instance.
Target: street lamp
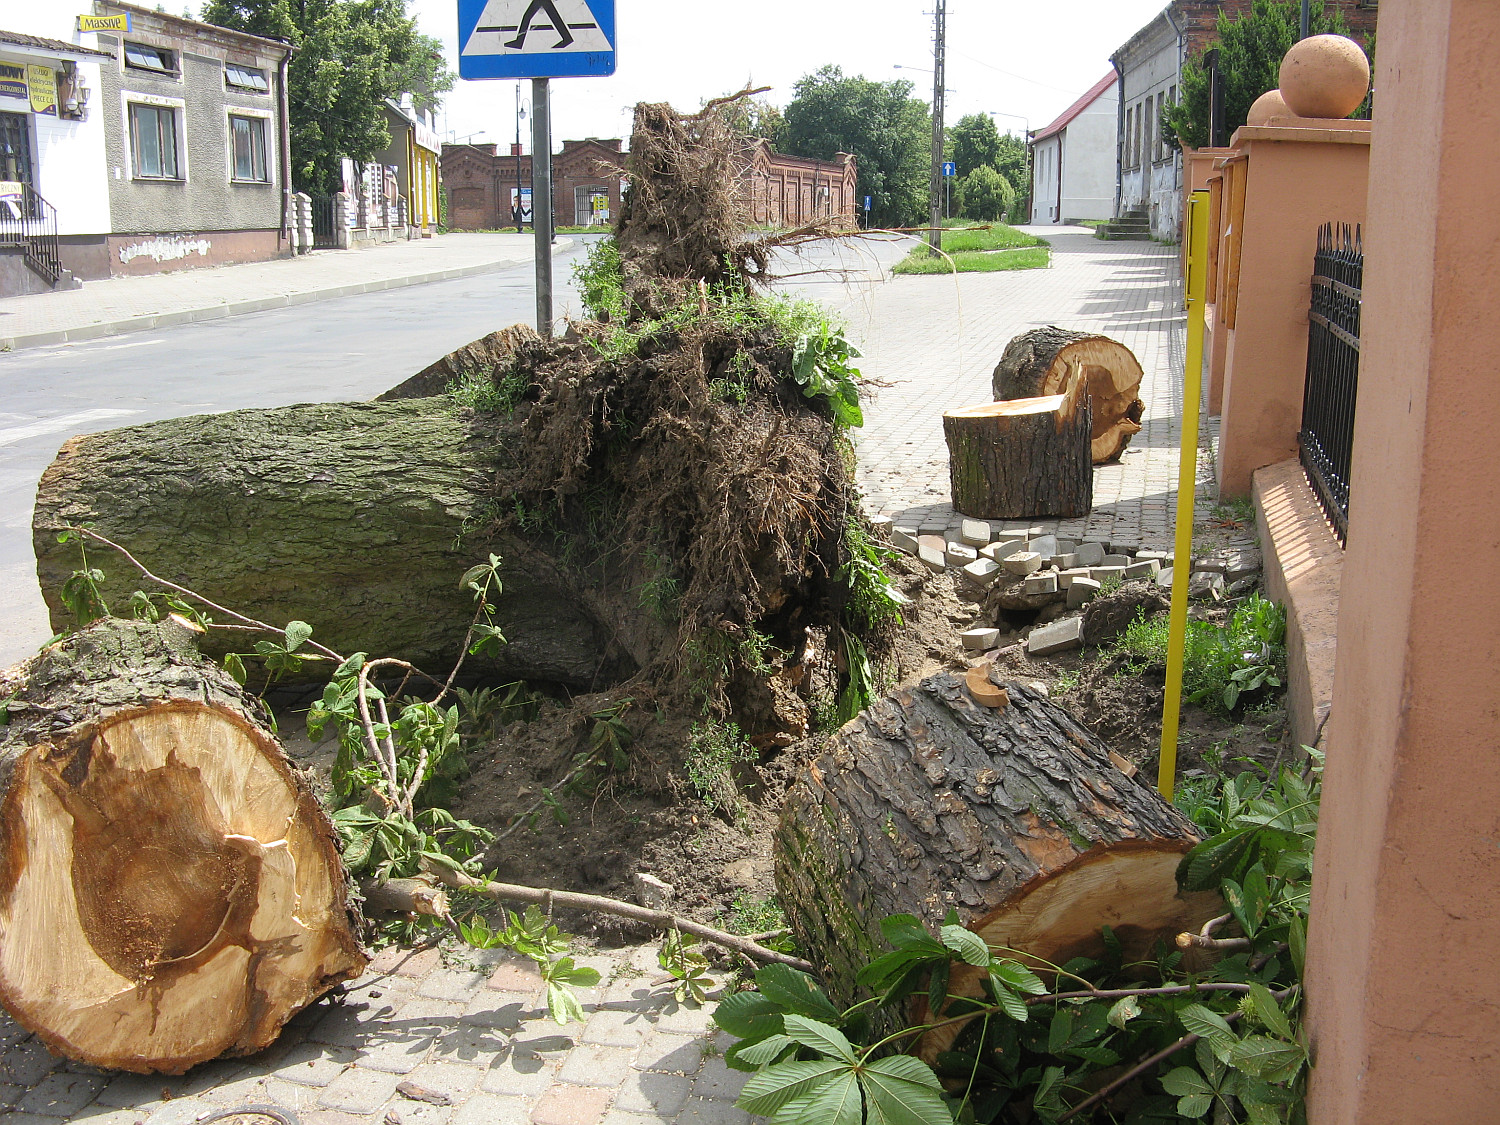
(1025, 121)
(924, 70)
(517, 212)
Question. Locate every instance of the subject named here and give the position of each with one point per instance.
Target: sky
(1024, 60)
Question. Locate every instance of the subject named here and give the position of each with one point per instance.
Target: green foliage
(600, 278)
(872, 598)
(996, 236)
(755, 119)
(822, 365)
(1220, 664)
(750, 915)
(394, 846)
(995, 261)
(973, 142)
(859, 682)
(532, 935)
(888, 131)
(714, 749)
(680, 956)
(483, 710)
(490, 392)
(985, 194)
(350, 56)
(1027, 1053)
(1251, 48)
(81, 593)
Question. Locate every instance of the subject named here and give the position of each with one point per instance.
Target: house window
(1129, 121)
(246, 78)
(247, 139)
(153, 142)
(159, 60)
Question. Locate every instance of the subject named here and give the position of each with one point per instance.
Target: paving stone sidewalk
(127, 304)
(935, 340)
(424, 1040)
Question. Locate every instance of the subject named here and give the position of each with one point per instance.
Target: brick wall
(479, 180)
(1199, 18)
(792, 191)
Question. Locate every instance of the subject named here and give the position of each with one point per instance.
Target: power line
(1013, 74)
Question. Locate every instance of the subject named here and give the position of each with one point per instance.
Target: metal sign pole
(541, 200)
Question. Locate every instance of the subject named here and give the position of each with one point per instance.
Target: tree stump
(170, 888)
(1017, 818)
(1023, 458)
(1043, 361)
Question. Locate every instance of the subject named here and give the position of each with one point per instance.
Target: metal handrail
(30, 222)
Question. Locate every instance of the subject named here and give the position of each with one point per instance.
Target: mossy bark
(357, 518)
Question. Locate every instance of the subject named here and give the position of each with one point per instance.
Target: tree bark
(484, 356)
(1017, 818)
(1023, 458)
(1042, 361)
(357, 518)
(170, 889)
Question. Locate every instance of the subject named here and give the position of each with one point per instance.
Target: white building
(1149, 175)
(53, 178)
(1073, 159)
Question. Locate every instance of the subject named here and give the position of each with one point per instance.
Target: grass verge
(976, 261)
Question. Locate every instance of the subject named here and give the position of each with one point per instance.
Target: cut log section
(1021, 459)
(1043, 361)
(358, 518)
(170, 889)
(1016, 818)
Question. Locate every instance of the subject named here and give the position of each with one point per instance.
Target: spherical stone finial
(1325, 76)
(1268, 106)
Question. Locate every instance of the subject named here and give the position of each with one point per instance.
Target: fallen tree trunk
(1024, 458)
(1042, 362)
(1015, 817)
(357, 518)
(170, 889)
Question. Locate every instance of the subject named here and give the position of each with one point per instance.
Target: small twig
(659, 919)
(521, 817)
(1204, 938)
(1121, 993)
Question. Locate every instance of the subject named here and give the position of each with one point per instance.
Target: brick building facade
(784, 191)
(1199, 19)
(481, 184)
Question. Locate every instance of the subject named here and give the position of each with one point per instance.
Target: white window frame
(247, 91)
(272, 140)
(129, 98)
(175, 74)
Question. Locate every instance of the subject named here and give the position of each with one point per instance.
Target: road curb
(147, 322)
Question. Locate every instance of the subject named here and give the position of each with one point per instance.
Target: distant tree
(351, 55)
(756, 119)
(1250, 53)
(985, 194)
(888, 131)
(974, 140)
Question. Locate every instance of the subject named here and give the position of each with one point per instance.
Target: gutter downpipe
(286, 142)
(1114, 61)
(1177, 157)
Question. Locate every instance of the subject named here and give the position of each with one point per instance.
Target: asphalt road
(346, 349)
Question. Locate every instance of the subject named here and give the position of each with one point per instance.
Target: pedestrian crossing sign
(535, 38)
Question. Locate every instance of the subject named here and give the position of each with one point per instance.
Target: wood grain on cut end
(169, 890)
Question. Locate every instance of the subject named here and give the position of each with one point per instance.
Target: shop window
(247, 140)
(246, 78)
(159, 60)
(153, 142)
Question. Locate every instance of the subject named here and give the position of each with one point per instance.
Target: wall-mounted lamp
(73, 95)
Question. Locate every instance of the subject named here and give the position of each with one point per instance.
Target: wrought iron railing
(30, 222)
(1326, 440)
(324, 225)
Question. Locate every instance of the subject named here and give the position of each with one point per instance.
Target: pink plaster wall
(1296, 180)
(1404, 1008)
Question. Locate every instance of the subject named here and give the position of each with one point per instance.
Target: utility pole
(939, 56)
(541, 200)
(1306, 19)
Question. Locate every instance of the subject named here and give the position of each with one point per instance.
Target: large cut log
(1024, 458)
(170, 889)
(357, 518)
(1017, 818)
(1043, 361)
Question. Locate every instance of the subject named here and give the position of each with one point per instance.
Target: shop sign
(41, 83)
(12, 81)
(120, 22)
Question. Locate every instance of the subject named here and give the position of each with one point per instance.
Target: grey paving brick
(718, 1081)
(669, 1053)
(451, 984)
(616, 1028)
(61, 1094)
(589, 1065)
(26, 1063)
(686, 1017)
(648, 1092)
(183, 1111)
(359, 1091)
(488, 1008)
(407, 1112)
(518, 1077)
(453, 1079)
(95, 1114)
(700, 1111)
(492, 1109)
(314, 1064)
(395, 1053)
(471, 1046)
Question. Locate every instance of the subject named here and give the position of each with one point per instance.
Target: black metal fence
(325, 234)
(1326, 440)
(30, 222)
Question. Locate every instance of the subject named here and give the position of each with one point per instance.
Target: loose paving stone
(934, 559)
(977, 640)
(1089, 554)
(982, 571)
(1044, 582)
(1081, 591)
(957, 554)
(1150, 568)
(1163, 557)
(880, 527)
(1104, 573)
(1241, 564)
(1001, 549)
(359, 1091)
(1044, 545)
(976, 533)
(1066, 578)
(1066, 546)
(1056, 636)
(492, 1109)
(1065, 561)
(1206, 587)
(1022, 563)
(571, 1105)
(1116, 560)
(904, 539)
(647, 1092)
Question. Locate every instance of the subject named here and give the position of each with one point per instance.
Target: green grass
(996, 237)
(976, 261)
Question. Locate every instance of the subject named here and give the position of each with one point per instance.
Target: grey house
(196, 143)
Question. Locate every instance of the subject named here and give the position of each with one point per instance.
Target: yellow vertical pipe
(1187, 481)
